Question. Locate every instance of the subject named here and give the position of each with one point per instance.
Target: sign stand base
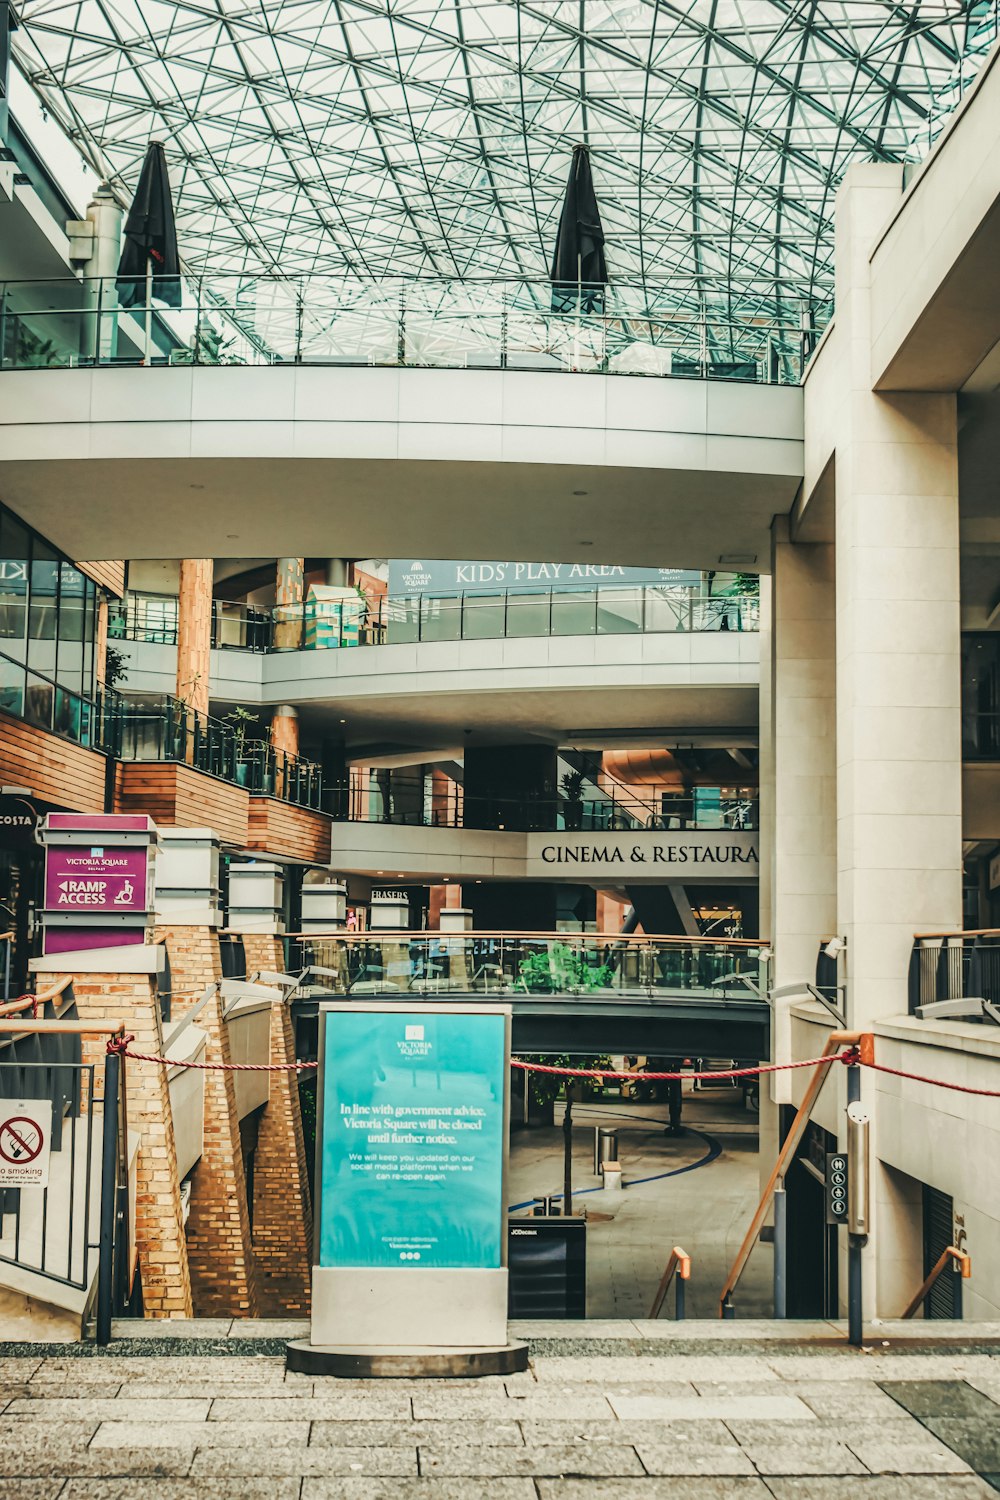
(404, 1363)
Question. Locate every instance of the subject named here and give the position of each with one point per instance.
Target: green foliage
(572, 786)
(558, 969)
(240, 718)
(115, 666)
(749, 584)
(544, 1087)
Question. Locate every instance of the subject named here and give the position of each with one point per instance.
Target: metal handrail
(679, 1262)
(434, 935)
(865, 1041)
(964, 1264)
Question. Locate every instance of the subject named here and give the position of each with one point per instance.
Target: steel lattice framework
(433, 137)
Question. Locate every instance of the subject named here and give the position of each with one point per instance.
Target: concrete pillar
(337, 572)
(765, 794)
(105, 216)
(289, 594)
(899, 760)
(899, 757)
(160, 1238)
(194, 633)
(802, 743)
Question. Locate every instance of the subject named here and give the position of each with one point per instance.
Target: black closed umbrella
(579, 270)
(149, 265)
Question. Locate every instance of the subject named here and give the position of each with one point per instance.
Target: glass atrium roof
(433, 137)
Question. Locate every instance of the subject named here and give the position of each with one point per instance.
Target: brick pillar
(220, 1251)
(194, 632)
(195, 961)
(159, 1230)
(282, 1210)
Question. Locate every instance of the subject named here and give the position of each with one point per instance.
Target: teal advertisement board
(412, 1149)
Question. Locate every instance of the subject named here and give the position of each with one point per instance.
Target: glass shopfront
(48, 613)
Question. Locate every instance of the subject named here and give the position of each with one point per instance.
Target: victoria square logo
(413, 1044)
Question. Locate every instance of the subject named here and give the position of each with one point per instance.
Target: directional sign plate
(25, 1141)
(836, 1187)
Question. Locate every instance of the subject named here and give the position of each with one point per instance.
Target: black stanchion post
(857, 1208)
(780, 1252)
(109, 1198)
(681, 1298)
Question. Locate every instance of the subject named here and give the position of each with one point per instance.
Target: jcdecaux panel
(412, 1143)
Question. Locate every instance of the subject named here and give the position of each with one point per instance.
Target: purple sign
(95, 880)
(82, 939)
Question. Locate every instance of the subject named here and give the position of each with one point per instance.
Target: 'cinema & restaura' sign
(647, 855)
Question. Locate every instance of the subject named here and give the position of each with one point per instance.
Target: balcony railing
(600, 966)
(383, 621)
(400, 797)
(425, 322)
(956, 975)
(162, 728)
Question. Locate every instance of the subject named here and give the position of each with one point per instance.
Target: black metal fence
(70, 1226)
(955, 966)
(162, 728)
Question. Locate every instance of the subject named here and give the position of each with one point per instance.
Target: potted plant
(240, 718)
(572, 790)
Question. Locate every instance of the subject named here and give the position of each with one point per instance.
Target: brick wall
(220, 1251)
(282, 1215)
(160, 1239)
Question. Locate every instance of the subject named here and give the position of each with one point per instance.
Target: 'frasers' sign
(95, 880)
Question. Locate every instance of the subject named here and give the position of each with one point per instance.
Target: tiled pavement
(693, 1412)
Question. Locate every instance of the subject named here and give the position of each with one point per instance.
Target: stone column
(802, 734)
(194, 633)
(899, 758)
(899, 754)
(159, 1231)
(289, 596)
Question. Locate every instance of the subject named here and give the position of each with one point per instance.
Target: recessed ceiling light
(737, 559)
(586, 544)
(379, 872)
(581, 492)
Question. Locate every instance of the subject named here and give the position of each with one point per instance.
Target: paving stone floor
(689, 1412)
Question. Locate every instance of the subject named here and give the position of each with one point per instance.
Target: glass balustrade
(462, 617)
(428, 322)
(597, 967)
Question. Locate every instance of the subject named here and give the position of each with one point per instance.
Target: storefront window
(43, 609)
(11, 686)
(14, 560)
(38, 702)
(48, 618)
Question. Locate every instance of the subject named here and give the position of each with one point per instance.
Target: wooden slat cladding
(55, 769)
(178, 796)
(110, 575)
(289, 832)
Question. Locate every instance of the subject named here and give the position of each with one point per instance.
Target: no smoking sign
(25, 1140)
